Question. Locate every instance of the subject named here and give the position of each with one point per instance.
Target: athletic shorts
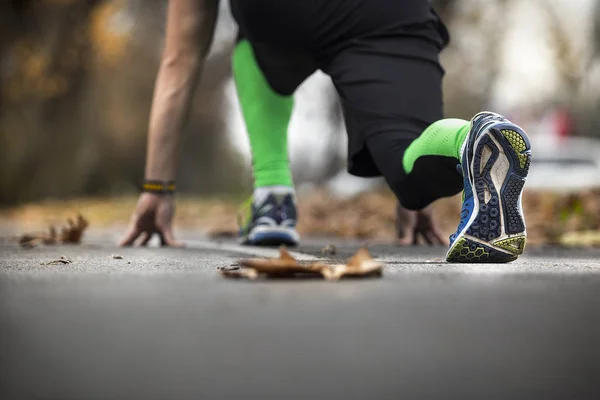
(382, 56)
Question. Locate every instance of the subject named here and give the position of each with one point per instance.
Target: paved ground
(162, 324)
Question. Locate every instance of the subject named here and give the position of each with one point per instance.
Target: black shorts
(382, 56)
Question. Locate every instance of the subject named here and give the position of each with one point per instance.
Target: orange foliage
(109, 43)
(40, 73)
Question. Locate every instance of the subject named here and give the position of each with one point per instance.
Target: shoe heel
(498, 161)
(466, 250)
(518, 149)
(515, 245)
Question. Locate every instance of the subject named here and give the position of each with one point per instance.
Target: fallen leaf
(28, 241)
(360, 265)
(237, 273)
(284, 266)
(69, 234)
(74, 232)
(62, 260)
(117, 257)
(51, 238)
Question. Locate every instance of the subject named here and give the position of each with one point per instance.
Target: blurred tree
(43, 56)
(575, 69)
(569, 64)
(76, 83)
(471, 60)
(596, 32)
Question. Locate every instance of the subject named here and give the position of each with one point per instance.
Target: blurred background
(76, 82)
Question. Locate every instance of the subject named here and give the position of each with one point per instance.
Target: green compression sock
(442, 138)
(267, 115)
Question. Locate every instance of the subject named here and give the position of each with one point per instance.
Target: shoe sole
(496, 231)
(271, 236)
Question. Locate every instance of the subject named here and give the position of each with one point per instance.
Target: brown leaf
(51, 238)
(360, 265)
(74, 232)
(238, 273)
(70, 234)
(28, 241)
(285, 265)
(62, 260)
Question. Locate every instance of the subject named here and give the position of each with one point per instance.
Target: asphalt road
(162, 324)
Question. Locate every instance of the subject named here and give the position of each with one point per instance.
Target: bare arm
(189, 33)
(190, 26)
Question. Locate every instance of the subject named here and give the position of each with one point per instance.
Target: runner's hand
(414, 225)
(153, 214)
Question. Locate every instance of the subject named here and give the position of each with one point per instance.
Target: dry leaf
(70, 234)
(237, 272)
(28, 241)
(62, 260)
(74, 232)
(117, 257)
(285, 265)
(51, 238)
(360, 265)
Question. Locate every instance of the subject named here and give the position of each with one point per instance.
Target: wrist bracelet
(158, 187)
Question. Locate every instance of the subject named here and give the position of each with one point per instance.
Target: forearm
(172, 98)
(190, 29)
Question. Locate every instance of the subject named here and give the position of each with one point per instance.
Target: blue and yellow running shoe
(495, 161)
(271, 223)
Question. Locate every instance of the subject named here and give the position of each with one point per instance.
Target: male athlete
(272, 212)
(382, 56)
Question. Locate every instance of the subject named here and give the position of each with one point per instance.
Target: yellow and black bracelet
(160, 187)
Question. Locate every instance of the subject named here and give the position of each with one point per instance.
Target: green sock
(267, 115)
(442, 138)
